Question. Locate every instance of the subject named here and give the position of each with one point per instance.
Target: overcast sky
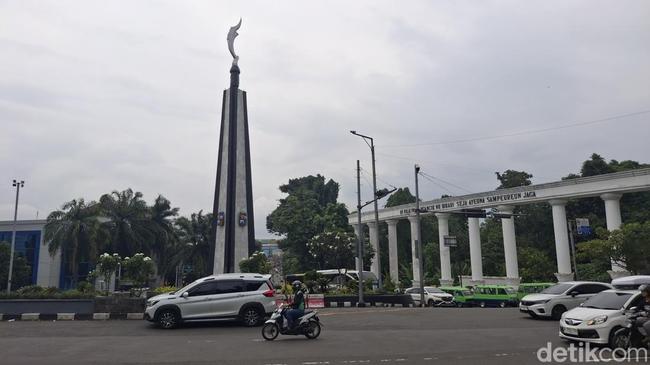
(104, 95)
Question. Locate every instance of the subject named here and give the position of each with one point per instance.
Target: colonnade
(562, 248)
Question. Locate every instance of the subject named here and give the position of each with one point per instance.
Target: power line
(446, 182)
(534, 131)
(439, 185)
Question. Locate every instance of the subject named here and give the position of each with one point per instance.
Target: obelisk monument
(233, 195)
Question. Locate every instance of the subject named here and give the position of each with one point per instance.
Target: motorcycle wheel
(270, 331)
(313, 330)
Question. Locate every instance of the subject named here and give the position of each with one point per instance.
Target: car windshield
(556, 289)
(607, 300)
(184, 289)
(434, 290)
(511, 291)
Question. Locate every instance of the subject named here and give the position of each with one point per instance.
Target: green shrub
(29, 290)
(85, 287)
(164, 289)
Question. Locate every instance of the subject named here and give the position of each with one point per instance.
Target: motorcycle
(632, 335)
(307, 325)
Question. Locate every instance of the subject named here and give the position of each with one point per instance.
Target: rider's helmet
(297, 285)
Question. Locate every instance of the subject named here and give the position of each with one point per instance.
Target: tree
(308, 210)
(22, 272)
(139, 269)
(106, 266)
(194, 237)
(513, 179)
(73, 229)
(630, 245)
(256, 263)
(165, 241)
(333, 250)
(127, 228)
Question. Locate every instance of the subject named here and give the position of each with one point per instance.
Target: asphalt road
(350, 336)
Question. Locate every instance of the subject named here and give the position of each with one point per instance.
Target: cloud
(98, 96)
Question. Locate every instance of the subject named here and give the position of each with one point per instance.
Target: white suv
(559, 298)
(597, 319)
(432, 296)
(246, 297)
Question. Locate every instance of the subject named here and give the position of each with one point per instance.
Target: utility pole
(18, 185)
(418, 237)
(359, 238)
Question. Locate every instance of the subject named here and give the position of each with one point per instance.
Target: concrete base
(65, 316)
(447, 282)
(618, 274)
(514, 282)
(563, 277)
(30, 316)
(476, 282)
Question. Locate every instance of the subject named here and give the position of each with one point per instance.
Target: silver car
(559, 298)
(245, 297)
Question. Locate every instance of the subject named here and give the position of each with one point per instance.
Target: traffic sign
(582, 226)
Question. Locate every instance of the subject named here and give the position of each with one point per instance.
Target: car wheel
(618, 339)
(482, 304)
(270, 331)
(430, 303)
(502, 304)
(556, 312)
(251, 316)
(459, 305)
(168, 319)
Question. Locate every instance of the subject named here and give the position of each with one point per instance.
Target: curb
(70, 316)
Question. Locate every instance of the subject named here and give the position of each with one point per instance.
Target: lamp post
(374, 193)
(18, 185)
(360, 235)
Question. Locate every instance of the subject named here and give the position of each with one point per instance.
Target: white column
(475, 249)
(393, 262)
(612, 210)
(509, 243)
(445, 257)
(416, 262)
(374, 242)
(614, 221)
(564, 272)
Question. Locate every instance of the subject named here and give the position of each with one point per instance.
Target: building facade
(45, 268)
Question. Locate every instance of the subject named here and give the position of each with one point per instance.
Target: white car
(246, 297)
(597, 319)
(559, 298)
(432, 296)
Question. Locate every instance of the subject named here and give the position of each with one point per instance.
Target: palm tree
(195, 235)
(126, 224)
(73, 229)
(165, 245)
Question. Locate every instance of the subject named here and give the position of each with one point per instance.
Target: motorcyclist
(297, 306)
(645, 321)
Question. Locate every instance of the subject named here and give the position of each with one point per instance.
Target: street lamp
(18, 185)
(378, 195)
(374, 194)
